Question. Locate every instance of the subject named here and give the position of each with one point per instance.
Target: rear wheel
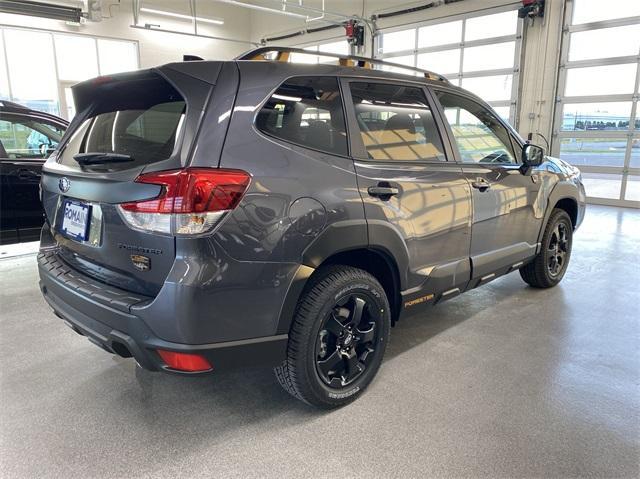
(550, 265)
(337, 339)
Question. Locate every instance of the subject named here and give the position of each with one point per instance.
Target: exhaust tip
(121, 350)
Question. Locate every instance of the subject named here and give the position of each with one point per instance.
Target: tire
(548, 268)
(333, 352)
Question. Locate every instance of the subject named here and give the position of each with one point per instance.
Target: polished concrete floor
(504, 381)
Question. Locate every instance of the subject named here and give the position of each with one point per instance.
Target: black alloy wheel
(337, 337)
(347, 341)
(549, 266)
(558, 249)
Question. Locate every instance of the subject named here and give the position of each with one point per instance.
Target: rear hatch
(127, 124)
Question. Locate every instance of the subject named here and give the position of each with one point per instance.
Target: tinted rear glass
(306, 111)
(142, 121)
(396, 123)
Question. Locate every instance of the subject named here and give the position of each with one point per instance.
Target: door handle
(481, 184)
(25, 174)
(383, 190)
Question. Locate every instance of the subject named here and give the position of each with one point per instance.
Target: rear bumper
(103, 315)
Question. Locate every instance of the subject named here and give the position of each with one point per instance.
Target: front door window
(480, 137)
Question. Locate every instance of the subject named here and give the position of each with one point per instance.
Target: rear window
(142, 120)
(306, 111)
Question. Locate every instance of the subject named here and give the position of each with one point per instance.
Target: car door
(415, 200)
(506, 221)
(26, 143)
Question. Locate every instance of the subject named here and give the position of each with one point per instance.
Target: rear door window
(144, 122)
(306, 111)
(395, 122)
(22, 137)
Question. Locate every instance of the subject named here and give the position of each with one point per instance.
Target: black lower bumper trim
(139, 342)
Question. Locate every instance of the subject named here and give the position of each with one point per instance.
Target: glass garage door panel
(488, 26)
(489, 57)
(605, 43)
(302, 58)
(587, 11)
(443, 62)
(635, 153)
(608, 116)
(633, 188)
(491, 88)
(340, 48)
(398, 41)
(440, 34)
(404, 60)
(594, 151)
(602, 185)
(602, 80)
(503, 112)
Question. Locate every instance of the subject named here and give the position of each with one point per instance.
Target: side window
(480, 137)
(395, 122)
(306, 111)
(26, 138)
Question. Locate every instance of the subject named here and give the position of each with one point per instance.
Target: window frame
(254, 121)
(516, 142)
(357, 148)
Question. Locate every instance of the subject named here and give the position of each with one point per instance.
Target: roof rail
(282, 54)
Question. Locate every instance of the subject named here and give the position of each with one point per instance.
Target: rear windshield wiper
(86, 159)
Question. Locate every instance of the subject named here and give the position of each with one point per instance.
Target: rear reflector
(184, 361)
(192, 200)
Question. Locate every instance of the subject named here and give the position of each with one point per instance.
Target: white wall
(158, 47)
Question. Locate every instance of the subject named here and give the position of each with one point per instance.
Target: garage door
(597, 122)
(479, 51)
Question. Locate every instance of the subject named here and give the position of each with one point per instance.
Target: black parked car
(27, 138)
(204, 215)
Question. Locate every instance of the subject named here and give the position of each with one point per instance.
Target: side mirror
(532, 155)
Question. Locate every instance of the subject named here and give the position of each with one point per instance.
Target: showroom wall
(157, 47)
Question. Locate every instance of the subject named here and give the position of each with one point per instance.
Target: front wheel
(550, 265)
(337, 339)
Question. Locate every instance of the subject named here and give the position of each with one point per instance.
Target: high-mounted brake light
(192, 200)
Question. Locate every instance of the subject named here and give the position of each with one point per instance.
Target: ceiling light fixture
(215, 21)
(262, 9)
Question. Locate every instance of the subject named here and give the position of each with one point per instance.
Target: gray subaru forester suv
(204, 215)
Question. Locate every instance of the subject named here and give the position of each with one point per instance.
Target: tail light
(192, 200)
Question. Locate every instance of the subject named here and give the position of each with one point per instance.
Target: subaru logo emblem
(64, 184)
